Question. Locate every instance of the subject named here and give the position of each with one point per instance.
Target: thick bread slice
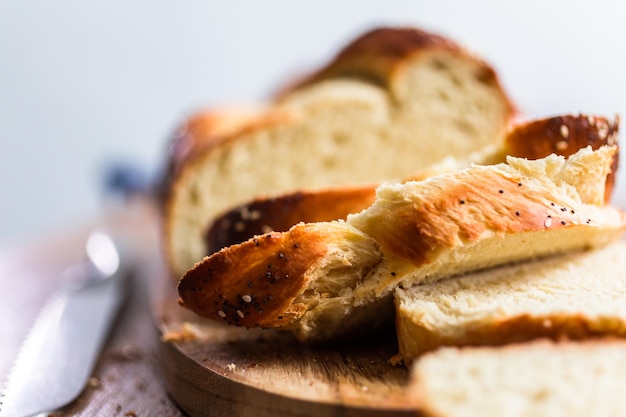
(577, 295)
(322, 279)
(563, 135)
(539, 379)
(373, 120)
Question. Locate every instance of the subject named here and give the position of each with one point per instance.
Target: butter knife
(58, 355)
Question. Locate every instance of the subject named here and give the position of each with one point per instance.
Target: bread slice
(320, 280)
(532, 139)
(577, 295)
(539, 379)
(370, 115)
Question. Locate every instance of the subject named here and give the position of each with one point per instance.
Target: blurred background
(84, 85)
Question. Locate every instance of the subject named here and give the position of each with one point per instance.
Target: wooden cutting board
(221, 370)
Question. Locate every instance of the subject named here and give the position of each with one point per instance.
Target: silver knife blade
(60, 352)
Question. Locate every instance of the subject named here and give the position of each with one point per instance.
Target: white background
(83, 83)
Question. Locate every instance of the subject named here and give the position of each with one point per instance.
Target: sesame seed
(393, 274)
(501, 191)
(573, 212)
(519, 184)
(221, 313)
(548, 222)
(246, 298)
(563, 222)
(461, 201)
(564, 131)
(517, 213)
(240, 313)
(603, 129)
(560, 145)
(255, 215)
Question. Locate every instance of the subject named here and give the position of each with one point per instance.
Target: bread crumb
(560, 145)
(396, 360)
(231, 367)
(94, 382)
(187, 332)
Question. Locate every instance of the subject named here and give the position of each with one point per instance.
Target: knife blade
(58, 355)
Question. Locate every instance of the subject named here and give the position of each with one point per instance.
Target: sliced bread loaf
(320, 280)
(576, 295)
(539, 379)
(390, 104)
(563, 135)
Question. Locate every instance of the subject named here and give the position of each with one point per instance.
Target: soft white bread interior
(320, 280)
(391, 103)
(538, 379)
(530, 139)
(576, 295)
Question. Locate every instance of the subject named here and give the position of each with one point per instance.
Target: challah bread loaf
(390, 104)
(539, 379)
(577, 295)
(320, 280)
(533, 139)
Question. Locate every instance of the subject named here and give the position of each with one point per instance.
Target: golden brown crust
(255, 283)
(466, 209)
(377, 54)
(564, 135)
(282, 212)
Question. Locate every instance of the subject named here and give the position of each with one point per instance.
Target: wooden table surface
(127, 380)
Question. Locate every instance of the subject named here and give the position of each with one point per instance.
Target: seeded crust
(280, 213)
(565, 135)
(255, 284)
(562, 135)
(418, 232)
(360, 120)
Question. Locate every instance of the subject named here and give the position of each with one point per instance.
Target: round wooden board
(220, 370)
